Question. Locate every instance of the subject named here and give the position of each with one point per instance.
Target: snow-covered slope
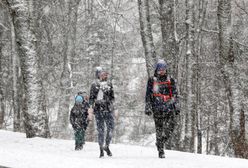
(18, 152)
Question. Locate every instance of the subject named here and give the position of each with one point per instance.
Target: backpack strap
(163, 96)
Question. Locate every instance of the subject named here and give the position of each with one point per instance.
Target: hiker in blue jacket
(162, 103)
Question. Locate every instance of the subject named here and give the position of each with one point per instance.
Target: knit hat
(161, 65)
(79, 99)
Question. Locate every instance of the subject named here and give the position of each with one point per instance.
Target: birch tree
(36, 122)
(189, 117)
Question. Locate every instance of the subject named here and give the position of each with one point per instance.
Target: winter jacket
(102, 96)
(157, 104)
(78, 116)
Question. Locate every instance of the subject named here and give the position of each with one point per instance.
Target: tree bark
(168, 30)
(146, 36)
(227, 67)
(23, 20)
(189, 62)
(66, 75)
(2, 106)
(17, 83)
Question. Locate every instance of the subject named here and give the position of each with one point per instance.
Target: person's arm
(92, 98)
(93, 95)
(72, 119)
(175, 96)
(148, 106)
(174, 88)
(112, 96)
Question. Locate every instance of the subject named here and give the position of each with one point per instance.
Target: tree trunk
(189, 62)
(169, 45)
(2, 106)
(227, 66)
(17, 83)
(35, 119)
(66, 75)
(146, 35)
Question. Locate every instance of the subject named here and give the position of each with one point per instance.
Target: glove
(149, 113)
(177, 109)
(90, 114)
(177, 112)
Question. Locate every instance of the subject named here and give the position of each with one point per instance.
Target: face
(161, 71)
(103, 76)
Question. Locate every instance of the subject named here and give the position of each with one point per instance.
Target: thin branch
(236, 41)
(240, 7)
(209, 31)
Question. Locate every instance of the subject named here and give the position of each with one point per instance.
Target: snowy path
(18, 152)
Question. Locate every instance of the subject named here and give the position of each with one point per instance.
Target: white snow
(18, 152)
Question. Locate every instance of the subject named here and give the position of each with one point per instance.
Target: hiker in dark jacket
(78, 120)
(101, 100)
(162, 103)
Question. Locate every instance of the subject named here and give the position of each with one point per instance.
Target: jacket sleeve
(111, 94)
(93, 94)
(85, 116)
(148, 106)
(72, 118)
(174, 88)
(174, 93)
(87, 106)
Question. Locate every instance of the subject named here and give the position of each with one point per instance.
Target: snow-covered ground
(18, 152)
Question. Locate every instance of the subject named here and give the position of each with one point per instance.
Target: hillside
(18, 152)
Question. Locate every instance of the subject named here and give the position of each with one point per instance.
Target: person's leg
(168, 129)
(159, 136)
(78, 138)
(109, 119)
(100, 129)
(110, 123)
(81, 138)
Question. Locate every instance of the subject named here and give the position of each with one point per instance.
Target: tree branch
(240, 7)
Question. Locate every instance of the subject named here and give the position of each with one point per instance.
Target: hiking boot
(106, 148)
(80, 147)
(161, 154)
(101, 152)
(77, 147)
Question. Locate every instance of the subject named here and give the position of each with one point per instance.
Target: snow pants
(79, 137)
(102, 118)
(164, 129)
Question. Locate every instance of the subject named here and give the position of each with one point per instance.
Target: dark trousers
(102, 118)
(79, 137)
(164, 129)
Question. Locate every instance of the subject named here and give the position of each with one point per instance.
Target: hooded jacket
(156, 104)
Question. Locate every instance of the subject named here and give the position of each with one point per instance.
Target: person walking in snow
(161, 102)
(101, 102)
(78, 120)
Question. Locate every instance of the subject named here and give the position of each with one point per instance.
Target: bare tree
(36, 123)
(146, 35)
(170, 46)
(66, 85)
(2, 31)
(190, 117)
(228, 71)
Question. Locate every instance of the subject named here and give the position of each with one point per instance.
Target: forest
(49, 50)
